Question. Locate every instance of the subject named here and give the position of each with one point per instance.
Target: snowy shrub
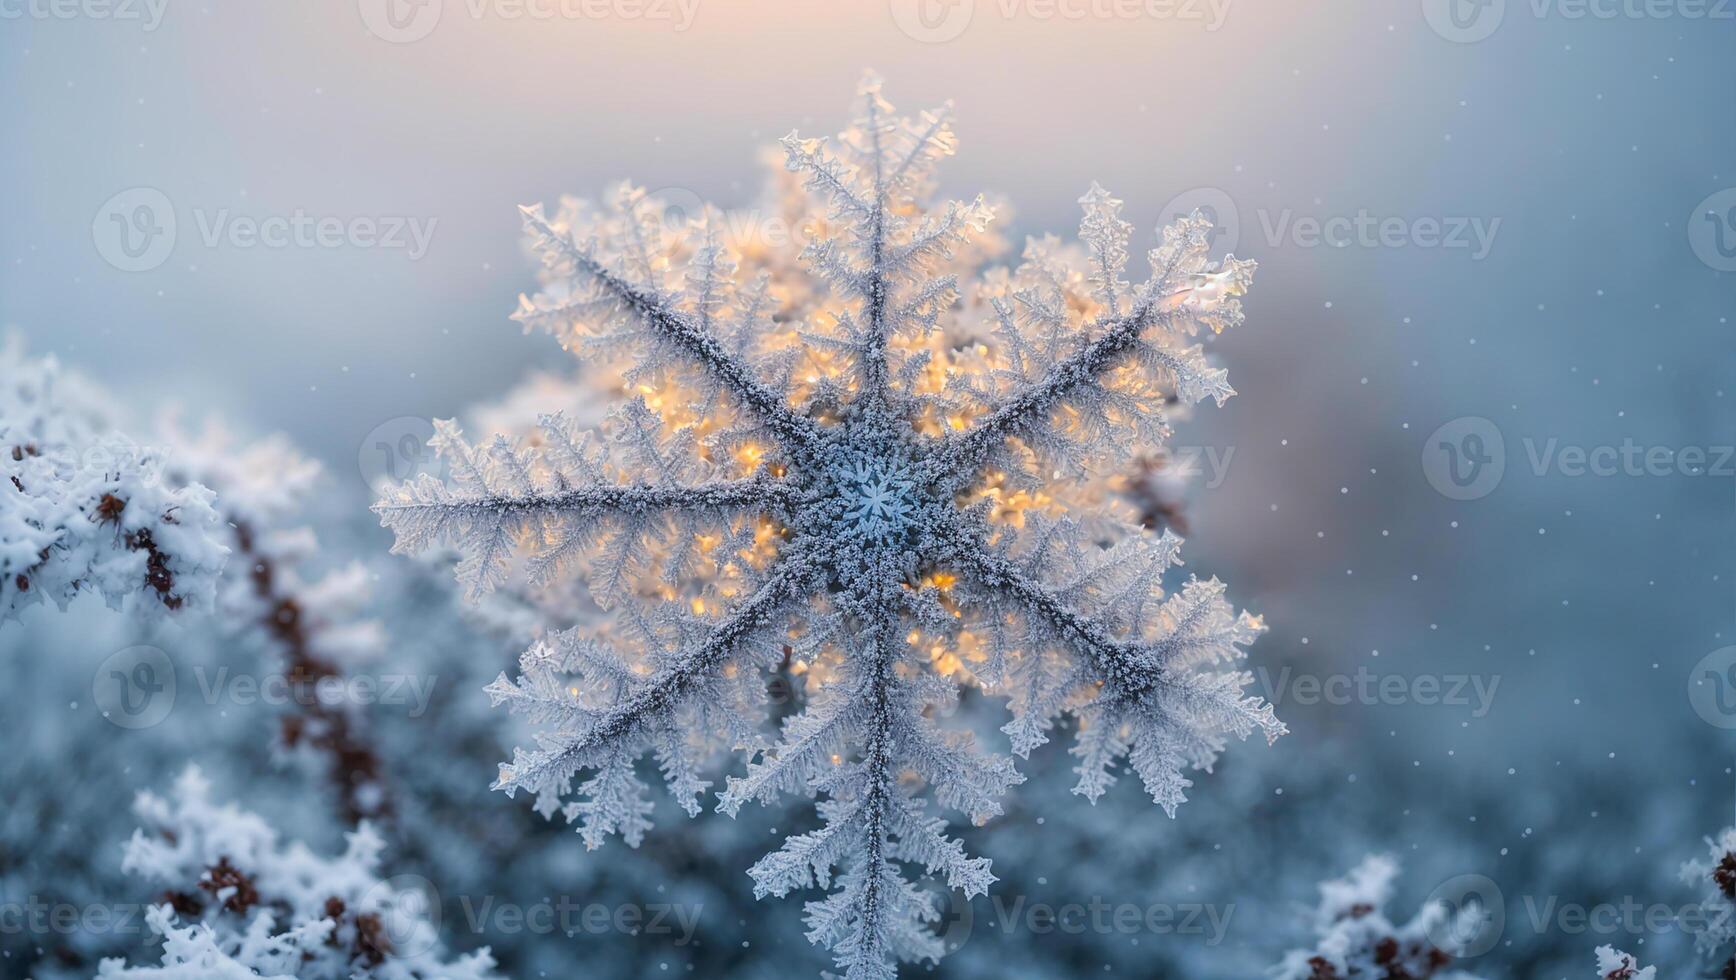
(1716, 877)
(255, 906)
(1354, 938)
(84, 509)
(858, 499)
(1613, 964)
(311, 629)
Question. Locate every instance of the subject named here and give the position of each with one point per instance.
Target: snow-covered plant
(84, 509)
(1716, 876)
(1613, 964)
(255, 906)
(852, 495)
(1355, 939)
(312, 628)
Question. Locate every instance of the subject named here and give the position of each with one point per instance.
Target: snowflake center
(880, 498)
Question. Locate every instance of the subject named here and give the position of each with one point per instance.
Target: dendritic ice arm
(1148, 694)
(885, 271)
(1115, 372)
(851, 745)
(563, 499)
(629, 713)
(610, 301)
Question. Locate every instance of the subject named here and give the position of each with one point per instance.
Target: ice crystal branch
(856, 463)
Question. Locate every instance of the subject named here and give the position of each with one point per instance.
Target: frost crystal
(858, 476)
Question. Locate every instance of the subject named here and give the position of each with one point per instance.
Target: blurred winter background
(1500, 218)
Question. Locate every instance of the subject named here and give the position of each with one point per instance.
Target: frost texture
(860, 477)
(1355, 938)
(84, 509)
(259, 907)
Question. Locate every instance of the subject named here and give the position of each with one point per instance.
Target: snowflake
(856, 477)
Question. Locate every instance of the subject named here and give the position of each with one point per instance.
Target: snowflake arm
(1149, 689)
(1182, 295)
(556, 498)
(679, 330)
(611, 737)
